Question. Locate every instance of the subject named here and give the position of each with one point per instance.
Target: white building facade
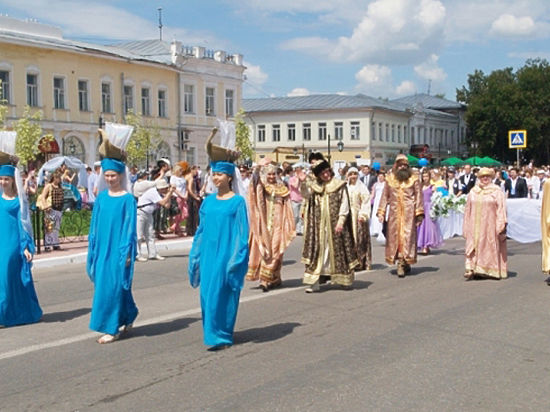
(364, 128)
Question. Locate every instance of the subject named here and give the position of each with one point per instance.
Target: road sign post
(517, 139)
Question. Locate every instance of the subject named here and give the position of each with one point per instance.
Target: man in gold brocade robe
(403, 195)
(329, 250)
(271, 227)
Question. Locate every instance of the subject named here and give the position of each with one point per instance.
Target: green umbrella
(413, 161)
(474, 161)
(487, 161)
(452, 161)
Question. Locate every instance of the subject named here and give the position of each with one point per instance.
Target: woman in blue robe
(18, 300)
(112, 244)
(218, 260)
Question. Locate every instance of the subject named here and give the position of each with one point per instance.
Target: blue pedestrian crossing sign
(517, 139)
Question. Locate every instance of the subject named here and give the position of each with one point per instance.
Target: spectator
(146, 205)
(178, 182)
(515, 186)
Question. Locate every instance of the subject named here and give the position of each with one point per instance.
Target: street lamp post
(328, 143)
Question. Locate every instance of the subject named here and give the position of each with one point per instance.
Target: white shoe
(158, 257)
(141, 259)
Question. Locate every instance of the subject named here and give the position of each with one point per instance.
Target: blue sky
(383, 48)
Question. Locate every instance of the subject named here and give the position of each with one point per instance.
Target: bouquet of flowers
(442, 205)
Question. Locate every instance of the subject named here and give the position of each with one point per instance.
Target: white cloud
(377, 81)
(474, 20)
(386, 34)
(299, 91)
(511, 26)
(406, 88)
(96, 19)
(430, 70)
(255, 79)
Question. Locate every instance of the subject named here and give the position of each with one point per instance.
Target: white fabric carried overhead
(70, 162)
(118, 134)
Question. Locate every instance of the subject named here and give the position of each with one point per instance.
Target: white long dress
(375, 225)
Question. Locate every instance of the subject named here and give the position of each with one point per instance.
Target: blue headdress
(7, 170)
(223, 167)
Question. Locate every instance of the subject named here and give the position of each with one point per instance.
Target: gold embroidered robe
(405, 202)
(360, 209)
(485, 231)
(326, 253)
(271, 230)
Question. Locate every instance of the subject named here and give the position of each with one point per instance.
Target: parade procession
(178, 236)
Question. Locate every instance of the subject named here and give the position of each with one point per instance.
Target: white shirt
(150, 198)
(180, 183)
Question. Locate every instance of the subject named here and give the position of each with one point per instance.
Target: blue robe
(18, 300)
(218, 261)
(112, 242)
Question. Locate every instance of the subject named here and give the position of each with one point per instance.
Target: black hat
(315, 156)
(319, 166)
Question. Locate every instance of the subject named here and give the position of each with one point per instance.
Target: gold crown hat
(219, 153)
(7, 148)
(485, 171)
(114, 139)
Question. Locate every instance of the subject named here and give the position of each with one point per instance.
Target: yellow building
(181, 90)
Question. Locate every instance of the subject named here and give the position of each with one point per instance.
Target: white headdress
(7, 147)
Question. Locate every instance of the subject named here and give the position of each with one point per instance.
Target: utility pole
(160, 23)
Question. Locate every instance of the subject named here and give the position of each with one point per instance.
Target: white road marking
(159, 319)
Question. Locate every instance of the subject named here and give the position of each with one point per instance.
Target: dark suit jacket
(369, 180)
(467, 187)
(455, 187)
(521, 188)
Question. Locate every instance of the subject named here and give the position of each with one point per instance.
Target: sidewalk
(77, 252)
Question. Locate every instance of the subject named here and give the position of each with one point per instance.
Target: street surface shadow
(357, 284)
(65, 316)
(416, 270)
(289, 262)
(265, 334)
(163, 327)
(452, 252)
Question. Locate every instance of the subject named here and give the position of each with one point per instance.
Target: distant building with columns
(366, 129)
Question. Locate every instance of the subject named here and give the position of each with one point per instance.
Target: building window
(190, 156)
(393, 133)
(83, 104)
(128, 98)
(162, 103)
(292, 132)
(145, 101)
(387, 132)
(373, 131)
(261, 133)
(276, 135)
(380, 135)
(58, 93)
(106, 106)
(404, 134)
(73, 146)
(209, 102)
(322, 131)
(188, 98)
(5, 86)
(32, 90)
(398, 133)
(229, 103)
(307, 131)
(354, 131)
(339, 130)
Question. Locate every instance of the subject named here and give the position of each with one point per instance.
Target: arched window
(73, 146)
(162, 151)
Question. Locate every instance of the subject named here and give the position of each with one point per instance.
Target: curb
(82, 256)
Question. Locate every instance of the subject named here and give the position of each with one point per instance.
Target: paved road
(429, 342)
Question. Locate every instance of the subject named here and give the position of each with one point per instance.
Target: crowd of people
(242, 220)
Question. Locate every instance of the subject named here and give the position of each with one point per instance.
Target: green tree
(29, 134)
(242, 133)
(145, 139)
(506, 100)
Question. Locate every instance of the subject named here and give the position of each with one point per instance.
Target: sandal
(108, 338)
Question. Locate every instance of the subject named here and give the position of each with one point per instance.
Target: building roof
(319, 102)
(429, 102)
(40, 35)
